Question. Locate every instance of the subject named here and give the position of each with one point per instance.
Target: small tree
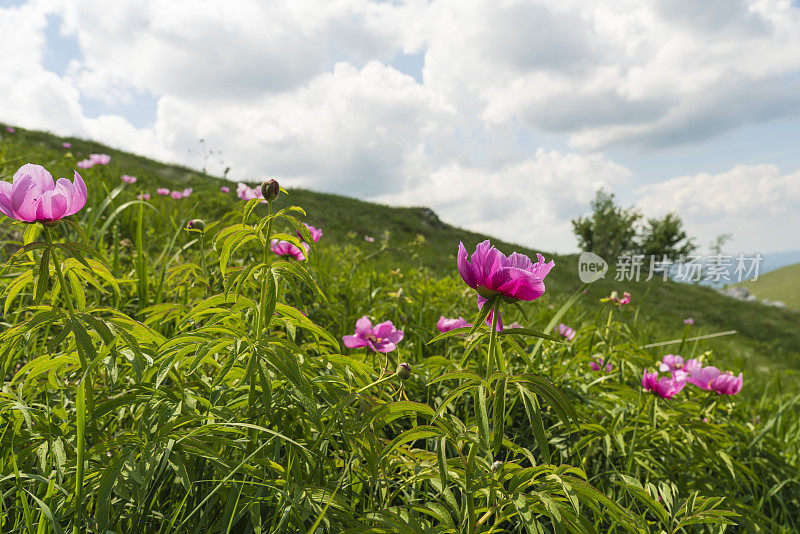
(665, 237)
(610, 230)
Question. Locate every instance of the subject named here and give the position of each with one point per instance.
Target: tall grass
(162, 381)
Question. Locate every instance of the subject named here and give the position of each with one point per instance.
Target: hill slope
(781, 284)
(768, 338)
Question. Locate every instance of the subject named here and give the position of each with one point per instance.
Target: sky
(504, 117)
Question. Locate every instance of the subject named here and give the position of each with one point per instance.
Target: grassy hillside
(781, 284)
(768, 338)
(157, 379)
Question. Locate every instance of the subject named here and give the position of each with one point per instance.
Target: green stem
(80, 423)
(635, 431)
(261, 319)
(203, 261)
(492, 340)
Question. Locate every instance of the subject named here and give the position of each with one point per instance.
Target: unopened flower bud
(196, 225)
(270, 189)
(404, 371)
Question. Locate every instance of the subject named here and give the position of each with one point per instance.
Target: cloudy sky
(503, 116)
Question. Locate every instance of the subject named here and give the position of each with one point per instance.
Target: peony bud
(404, 371)
(196, 226)
(270, 190)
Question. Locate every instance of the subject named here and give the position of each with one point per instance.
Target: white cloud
(619, 71)
(31, 95)
(746, 201)
(357, 132)
(304, 91)
(527, 202)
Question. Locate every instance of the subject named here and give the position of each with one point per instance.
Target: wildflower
(245, 192)
(33, 196)
(664, 387)
(369, 239)
(196, 226)
(225, 189)
(66, 145)
(162, 191)
(284, 248)
(99, 159)
(566, 331)
(515, 325)
(598, 364)
(10, 129)
(175, 195)
(316, 233)
(727, 384)
(128, 179)
(491, 273)
(85, 164)
(384, 337)
(186, 192)
(445, 325)
(614, 299)
(403, 371)
(688, 321)
(703, 376)
(671, 362)
(143, 196)
(270, 190)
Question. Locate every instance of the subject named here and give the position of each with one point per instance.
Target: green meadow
(162, 380)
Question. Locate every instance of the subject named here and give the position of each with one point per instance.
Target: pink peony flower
(186, 192)
(671, 362)
(316, 233)
(688, 321)
(245, 192)
(175, 195)
(225, 189)
(33, 196)
(369, 239)
(128, 179)
(445, 325)
(664, 387)
(566, 331)
(491, 273)
(85, 164)
(284, 248)
(727, 384)
(66, 145)
(598, 364)
(384, 337)
(143, 196)
(99, 159)
(702, 376)
(163, 191)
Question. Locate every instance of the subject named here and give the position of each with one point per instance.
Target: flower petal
(363, 327)
(42, 179)
(465, 267)
(24, 198)
(354, 342)
(517, 283)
